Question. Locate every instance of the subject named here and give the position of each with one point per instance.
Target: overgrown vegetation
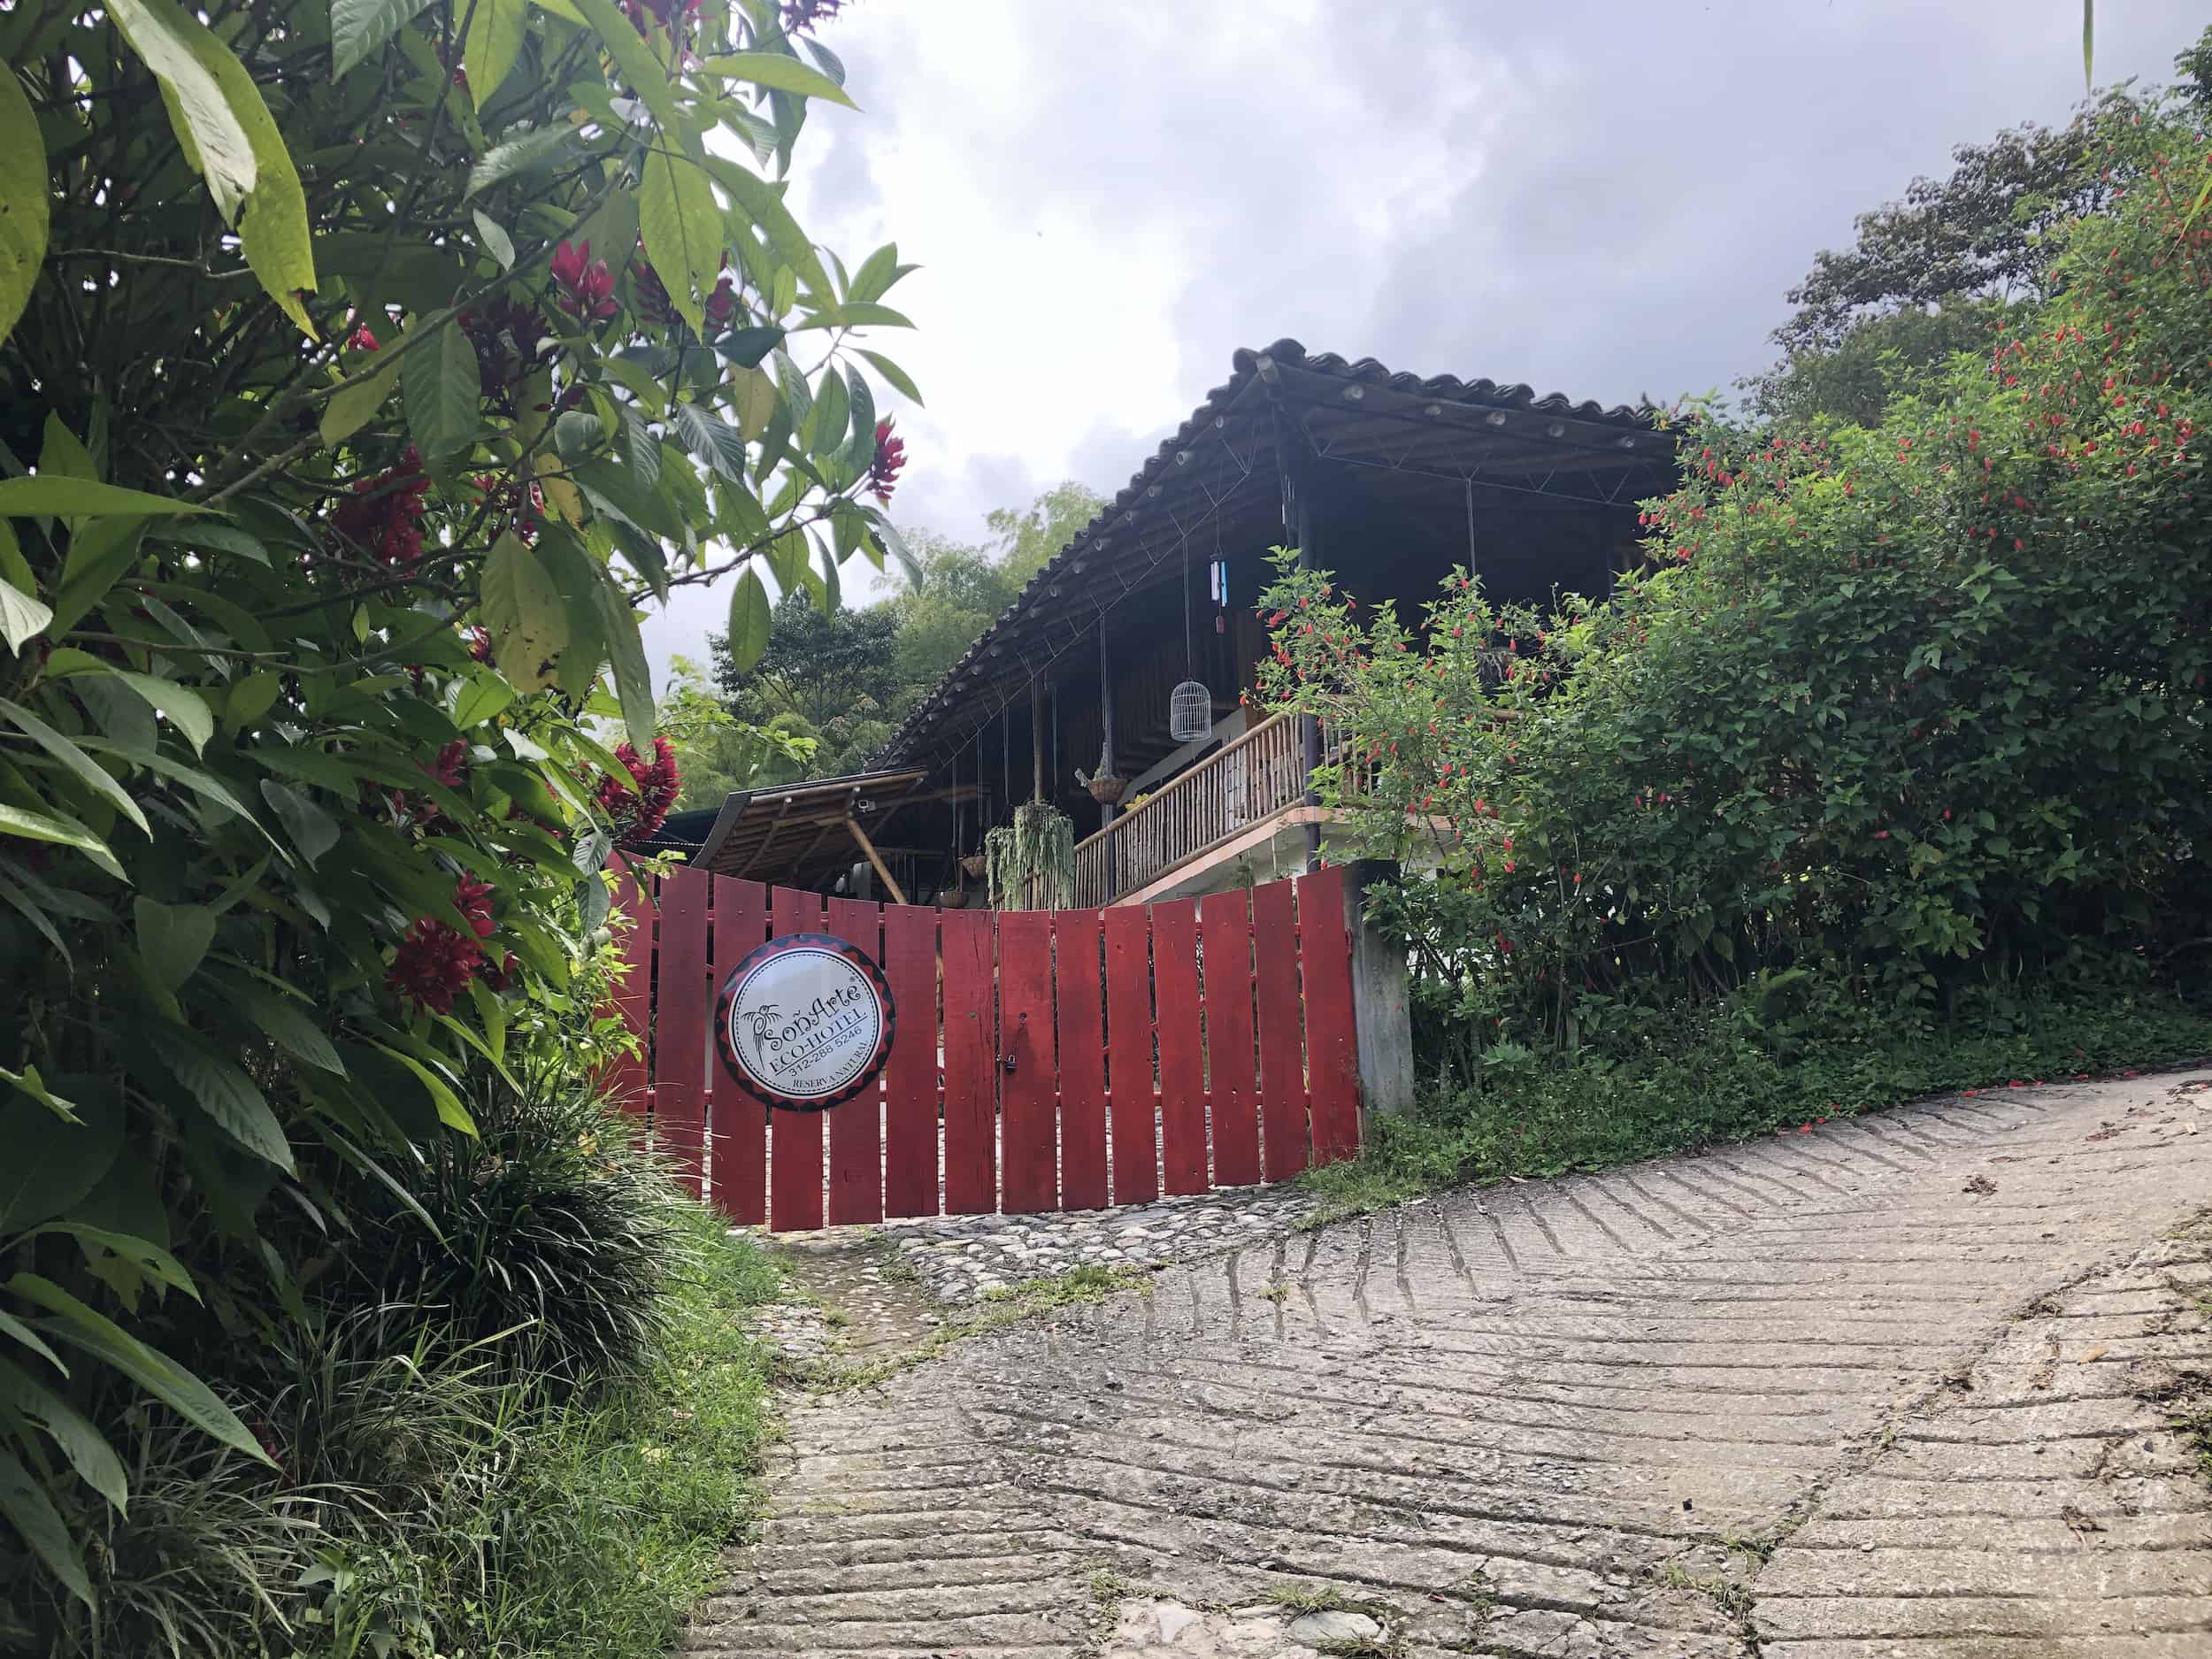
(363, 368)
(1887, 775)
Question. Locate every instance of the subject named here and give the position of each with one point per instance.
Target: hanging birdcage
(1190, 712)
(1190, 706)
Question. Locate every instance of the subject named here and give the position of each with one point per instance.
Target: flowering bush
(1903, 708)
(364, 369)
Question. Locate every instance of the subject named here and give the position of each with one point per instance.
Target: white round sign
(806, 1021)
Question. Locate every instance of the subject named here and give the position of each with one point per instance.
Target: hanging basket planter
(973, 865)
(1106, 791)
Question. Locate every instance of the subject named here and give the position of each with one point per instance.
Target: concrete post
(1381, 998)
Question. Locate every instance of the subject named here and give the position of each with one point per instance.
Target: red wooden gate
(1041, 1059)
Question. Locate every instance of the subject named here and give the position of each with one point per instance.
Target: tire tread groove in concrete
(1903, 1384)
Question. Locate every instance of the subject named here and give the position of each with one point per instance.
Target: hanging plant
(1105, 788)
(1036, 849)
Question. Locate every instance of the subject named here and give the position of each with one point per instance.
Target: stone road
(1900, 1387)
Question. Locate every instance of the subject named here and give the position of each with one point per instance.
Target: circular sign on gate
(805, 1021)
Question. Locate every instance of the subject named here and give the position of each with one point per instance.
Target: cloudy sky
(1605, 197)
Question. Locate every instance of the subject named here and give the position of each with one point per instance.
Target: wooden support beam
(860, 836)
(1037, 740)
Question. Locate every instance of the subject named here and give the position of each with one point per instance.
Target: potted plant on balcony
(1104, 787)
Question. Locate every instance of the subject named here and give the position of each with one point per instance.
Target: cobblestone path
(1901, 1387)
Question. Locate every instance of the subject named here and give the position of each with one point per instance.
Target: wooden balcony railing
(1243, 783)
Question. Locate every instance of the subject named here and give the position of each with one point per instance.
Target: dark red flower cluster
(654, 302)
(436, 960)
(586, 285)
(479, 642)
(883, 473)
(384, 513)
(800, 17)
(473, 899)
(362, 338)
(641, 807)
(433, 965)
(511, 339)
(449, 767)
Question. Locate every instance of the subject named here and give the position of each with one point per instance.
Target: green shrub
(362, 371)
(1899, 715)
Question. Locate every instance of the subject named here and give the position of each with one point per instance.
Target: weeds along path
(1926, 1383)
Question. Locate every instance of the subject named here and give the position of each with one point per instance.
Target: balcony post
(1107, 764)
(1298, 518)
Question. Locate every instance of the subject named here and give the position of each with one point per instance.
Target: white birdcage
(1190, 712)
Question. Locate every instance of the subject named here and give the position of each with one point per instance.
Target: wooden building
(1386, 479)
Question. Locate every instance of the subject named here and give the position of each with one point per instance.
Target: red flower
(361, 339)
(883, 475)
(641, 807)
(587, 287)
(499, 976)
(446, 769)
(480, 643)
(473, 899)
(722, 303)
(512, 339)
(384, 513)
(433, 966)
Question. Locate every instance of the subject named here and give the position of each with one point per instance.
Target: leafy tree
(362, 368)
(717, 754)
(1927, 275)
(847, 678)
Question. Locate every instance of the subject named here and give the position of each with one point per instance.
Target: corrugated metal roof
(1145, 514)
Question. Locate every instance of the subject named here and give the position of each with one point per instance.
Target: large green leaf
(22, 617)
(143, 1254)
(626, 650)
(450, 1111)
(860, 448)
(231, 1100)
(749, 622)
(283, 1020)
(350, 407)
(439, 381)
(51, 1163)
(682, 229)
(313, 832)
(492, 43)
(44, 496)
(23, 206)
(90, 771)
(99, 553)
(185, 708)
(32, 1513)
(214, 138)
(92, 1333)
(274, 231)
(898, 377)
(173, 939)
(783, 74)
(505, 159)
(65, 832)
(714, 441)
(635, 61)
(762, 203)
(80, 1442)
(523, 609)
(358, 27)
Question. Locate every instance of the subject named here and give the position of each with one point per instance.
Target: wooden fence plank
(1288, 1146)
(856, 1126)
(911, 1093)
(795, 1151)
(1078, 994)
(1225, 925)
(971, 1064)
(1027, 1148)
(629, 1081)
(1182, 1060)
(1324, 964)
(737, 1122)
(679, 1033)
(1129, 1055)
